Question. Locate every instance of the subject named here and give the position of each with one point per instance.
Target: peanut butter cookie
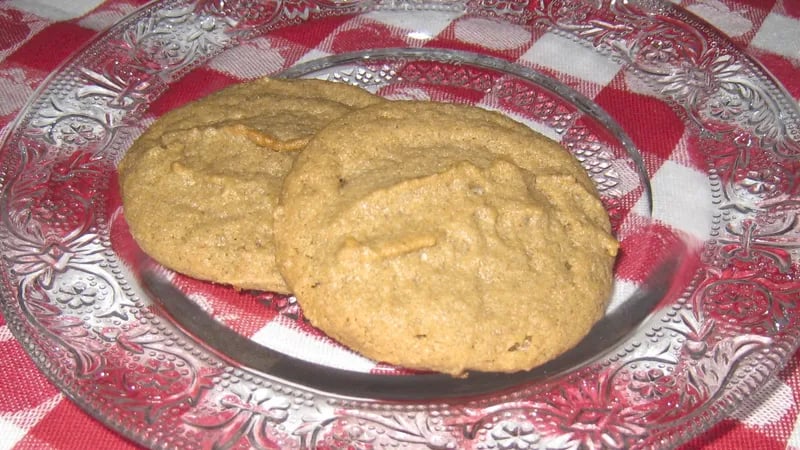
(444, 237)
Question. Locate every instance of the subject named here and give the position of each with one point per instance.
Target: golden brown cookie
(287, 111)
(444, 237)
(200, 185)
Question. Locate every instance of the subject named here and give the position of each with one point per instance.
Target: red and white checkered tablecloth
(36, 36)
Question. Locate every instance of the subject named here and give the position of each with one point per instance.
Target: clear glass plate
(706, 297)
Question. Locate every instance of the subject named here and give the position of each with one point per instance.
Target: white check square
(56, 11)
(564, 55)
(426, 27)
(694, 213)
(779, 34)
(293, 342)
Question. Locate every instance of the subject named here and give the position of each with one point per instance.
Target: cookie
(444, 237)
(199, 186)
(287, 112)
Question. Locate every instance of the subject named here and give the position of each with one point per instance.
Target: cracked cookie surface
(444, 237)
(200, 185)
